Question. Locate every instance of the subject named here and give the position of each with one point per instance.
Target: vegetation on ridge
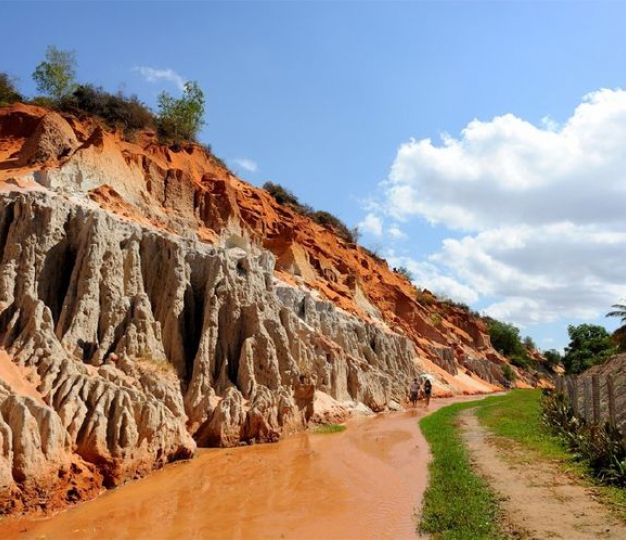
(56, 75)
(506, 339)
(286, 198)
(117, 110)
(177, 121)
(8, 92)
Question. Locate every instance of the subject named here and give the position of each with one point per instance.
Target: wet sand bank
(366, 482)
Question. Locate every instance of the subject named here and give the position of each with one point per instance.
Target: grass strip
(329, 428)
(458, 504)
(517, 416)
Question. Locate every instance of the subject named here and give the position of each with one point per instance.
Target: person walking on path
(414, 391)
(427, 390)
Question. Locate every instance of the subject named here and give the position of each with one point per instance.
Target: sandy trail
(539, 501)
(366, 482)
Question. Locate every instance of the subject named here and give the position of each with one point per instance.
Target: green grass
(458, 504)
(329, 428)
(517, 416)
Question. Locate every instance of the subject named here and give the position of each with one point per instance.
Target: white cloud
(396, 233)
(542, 209)
(508, 171)
(247, 164)
(155, 75)
(372, 224)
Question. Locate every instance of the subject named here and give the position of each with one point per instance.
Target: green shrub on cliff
(8, 92)
(285, 197)
(179, 120)
(117, 110)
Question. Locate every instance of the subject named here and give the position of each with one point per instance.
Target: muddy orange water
(366, 482)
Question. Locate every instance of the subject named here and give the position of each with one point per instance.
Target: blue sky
(326, 97)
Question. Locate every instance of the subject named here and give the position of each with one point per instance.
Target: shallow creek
(366, 482)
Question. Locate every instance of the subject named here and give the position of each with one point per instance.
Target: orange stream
(366, 482)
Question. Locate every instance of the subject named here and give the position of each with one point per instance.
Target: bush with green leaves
(508, 373)
(553, 358)
(590, 344)
(180, 119)
(281, 194)
(331, 221)
(404, 272)
(602, 447)
(285, 197)
(117, 110)
(8, 91)
(56, 75)
(506, 338)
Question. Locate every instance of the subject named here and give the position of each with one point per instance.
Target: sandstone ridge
(150, 301)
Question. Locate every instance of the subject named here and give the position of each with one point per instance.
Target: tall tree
(590, 344)
(181, 119)
(56, 75)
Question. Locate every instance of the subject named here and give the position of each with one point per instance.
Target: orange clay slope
(189, 191)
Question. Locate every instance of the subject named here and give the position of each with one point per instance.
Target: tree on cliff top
(180, 119)
(8, 92)
(590, 344)
(56, 75)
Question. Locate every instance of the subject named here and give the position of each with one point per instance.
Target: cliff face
(150, 301)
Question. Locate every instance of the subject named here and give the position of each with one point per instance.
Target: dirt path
(539, 500)
(366, 482)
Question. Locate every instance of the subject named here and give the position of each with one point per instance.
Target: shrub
(508, 373)
(553, 357)
(117, 110)
(602, 446)
(326, 219)
(435, 319)
(179, 120)
(529, 344)
(506, 339)
(8, 92)
(56, 75)
(404, 272)
(330, 221)
(281, 194)
(451, 303)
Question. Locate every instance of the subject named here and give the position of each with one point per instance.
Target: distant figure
(414, 392)
(428, 388)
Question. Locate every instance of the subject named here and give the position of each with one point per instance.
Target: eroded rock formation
(151, 302)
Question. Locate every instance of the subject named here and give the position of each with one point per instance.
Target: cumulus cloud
(372, 224)
(508, 171)
(247, 164)
(540, 208)
(396, 233)
(154, 75)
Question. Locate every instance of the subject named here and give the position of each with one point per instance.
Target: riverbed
(365, 482)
